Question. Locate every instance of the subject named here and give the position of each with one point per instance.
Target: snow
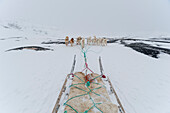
(30, 81)
(141, 82)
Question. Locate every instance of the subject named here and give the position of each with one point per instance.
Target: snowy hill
(30, 80)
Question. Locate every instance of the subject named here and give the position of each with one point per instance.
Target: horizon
(92, 17)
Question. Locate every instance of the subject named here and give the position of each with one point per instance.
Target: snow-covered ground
(30, 81)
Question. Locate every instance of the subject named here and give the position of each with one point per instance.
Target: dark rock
(53, 42)
(36, 48)
(148, 49)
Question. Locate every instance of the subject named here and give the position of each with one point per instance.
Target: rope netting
(86, 93)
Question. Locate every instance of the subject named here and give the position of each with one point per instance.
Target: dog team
(90, 41)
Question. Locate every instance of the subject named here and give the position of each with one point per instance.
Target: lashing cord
(86, 93)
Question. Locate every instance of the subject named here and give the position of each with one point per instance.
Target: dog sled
(87, 93)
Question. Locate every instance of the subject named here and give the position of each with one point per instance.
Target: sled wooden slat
(57, 105)
(117, 98)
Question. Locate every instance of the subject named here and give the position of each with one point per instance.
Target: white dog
(78, 42)
(94, 40)
(105, 42)
(89, 40)
(82, 43)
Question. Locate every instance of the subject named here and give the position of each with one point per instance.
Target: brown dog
(67, 40)
(79, 40)
(72, 41)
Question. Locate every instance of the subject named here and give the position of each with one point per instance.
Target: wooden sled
(85, 103)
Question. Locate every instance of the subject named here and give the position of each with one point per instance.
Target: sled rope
(85, 59)
(87, 49)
